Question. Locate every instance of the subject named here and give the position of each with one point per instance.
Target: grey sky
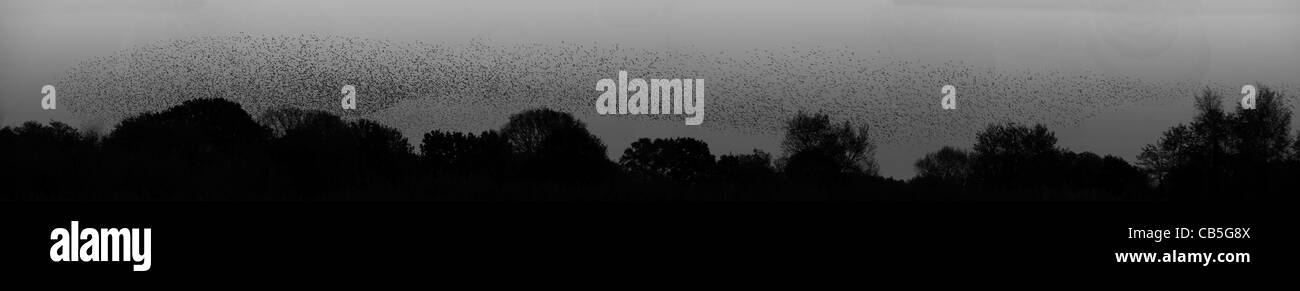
(1217, 41)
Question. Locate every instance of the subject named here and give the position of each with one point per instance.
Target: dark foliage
(818, 149)
(319, 154)
(555, 146)
(191, 151)
(1224, 155)
(684, 160)
(1016, 162)
(948, 167)
(45, 161)
(487, 153)
(211, 149)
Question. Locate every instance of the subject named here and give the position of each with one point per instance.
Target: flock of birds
(471, 86)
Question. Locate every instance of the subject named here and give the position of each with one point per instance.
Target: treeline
(211, 149)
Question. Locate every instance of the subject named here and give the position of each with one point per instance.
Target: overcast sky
(1232, 41)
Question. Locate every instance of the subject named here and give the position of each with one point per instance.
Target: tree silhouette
(200, 126)
(206, 146)
(1224, 155)
(1018, 162)
(1262, 135)
(1259, 143)
(1013, 156)
(284, 119)
(948, 166)
(380, 141)
(1175, 149)
(746, 176)
(752, 167)
(684, 160)
(313, 149)
(555, 145)
(817, 148)
(321, 153)
(1295, 148)
(39, 160)
(488, 153)
(1099, 177)
(210, 149)
(544, 131)
(383, 153)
